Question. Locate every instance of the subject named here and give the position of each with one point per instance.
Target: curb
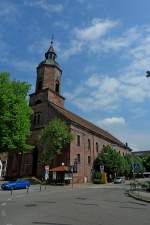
(138, 197)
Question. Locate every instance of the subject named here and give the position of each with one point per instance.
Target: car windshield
(19, 180)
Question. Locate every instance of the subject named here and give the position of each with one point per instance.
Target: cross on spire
(52, 39)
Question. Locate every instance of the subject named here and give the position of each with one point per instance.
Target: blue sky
(103, 47)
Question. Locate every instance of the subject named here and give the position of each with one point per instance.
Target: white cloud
(103, 92)
(124, 41)
(137, 139)
(113, 121)
(87, 37)
(44, 5)
(96, 30)
(128, 85)
(76, 48)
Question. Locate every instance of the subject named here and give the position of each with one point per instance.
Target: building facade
(48, 103)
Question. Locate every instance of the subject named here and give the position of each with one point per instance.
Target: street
(86, 205)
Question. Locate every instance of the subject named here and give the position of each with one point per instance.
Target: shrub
(97, 178)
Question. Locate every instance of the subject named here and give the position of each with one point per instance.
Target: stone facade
(47, 103)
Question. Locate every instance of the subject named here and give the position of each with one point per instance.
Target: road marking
(3, 213)
(9, 199)
(3, 204)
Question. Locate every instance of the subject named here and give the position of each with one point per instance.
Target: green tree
(14, 115)
(133, 159)
(54, 139)
(112, 161)
(146, 161)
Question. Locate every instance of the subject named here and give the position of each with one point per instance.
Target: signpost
(135, 167)
(71, 170)
(102, 169)
(46, 174)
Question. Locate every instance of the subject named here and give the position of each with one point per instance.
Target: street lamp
(148, 73)
(73, 168)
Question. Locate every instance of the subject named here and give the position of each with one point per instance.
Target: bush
(97, 178)
(146, 186)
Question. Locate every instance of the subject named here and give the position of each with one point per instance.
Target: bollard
(11, 191)
(40, 187)
(27, 189)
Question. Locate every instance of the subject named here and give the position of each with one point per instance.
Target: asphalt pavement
(86, 205)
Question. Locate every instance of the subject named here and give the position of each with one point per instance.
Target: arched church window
(57, 86)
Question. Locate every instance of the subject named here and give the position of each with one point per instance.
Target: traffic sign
(46, 172)
(102, 168)
(136, 166)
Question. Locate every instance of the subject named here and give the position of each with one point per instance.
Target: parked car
(119, 180)
(18, 184)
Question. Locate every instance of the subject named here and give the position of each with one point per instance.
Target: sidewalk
(140, 195)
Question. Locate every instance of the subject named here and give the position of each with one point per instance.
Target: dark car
(18, 184)
(119, 180)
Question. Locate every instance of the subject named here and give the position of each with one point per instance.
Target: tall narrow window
(37, 118)
(89, 159)
(96, 147)
(89, 144)
(78, 158)
(78, 140)
(57, 86)
(40, 85)
(34, 119)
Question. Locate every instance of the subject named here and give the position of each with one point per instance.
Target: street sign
(136, 166)
(102, 169)
(46, 172)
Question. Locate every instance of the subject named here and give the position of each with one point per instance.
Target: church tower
(48, 83)
(49, 73)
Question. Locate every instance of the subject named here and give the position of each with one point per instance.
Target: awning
(60, 169)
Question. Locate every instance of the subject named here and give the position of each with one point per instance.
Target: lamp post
(148, 73)
(74, 168)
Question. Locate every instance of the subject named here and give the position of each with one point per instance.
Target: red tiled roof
(59, 169)
(75, 119)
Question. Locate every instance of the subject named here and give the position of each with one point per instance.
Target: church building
(48, 103)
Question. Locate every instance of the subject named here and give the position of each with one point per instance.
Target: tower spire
(52, 40)
(51, 54)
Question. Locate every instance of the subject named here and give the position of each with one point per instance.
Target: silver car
(119, 180)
